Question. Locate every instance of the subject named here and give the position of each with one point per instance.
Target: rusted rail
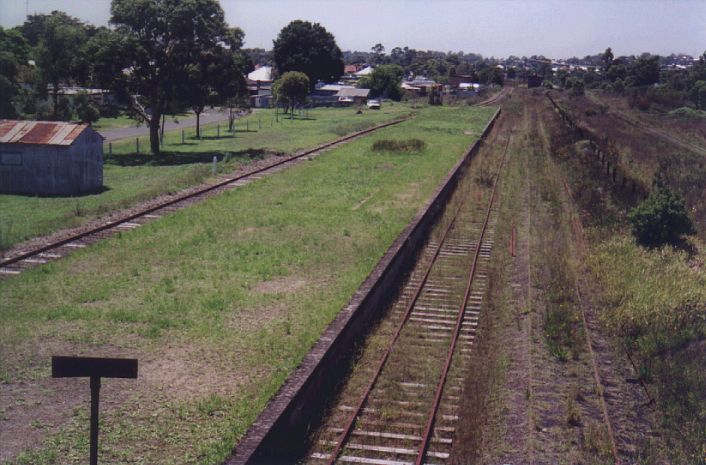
(459, 321)
(345, 434)
(186, 197)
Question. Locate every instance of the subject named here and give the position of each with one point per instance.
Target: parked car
(374, 104)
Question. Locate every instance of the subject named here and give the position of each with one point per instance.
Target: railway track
(504, 92)
(408, 407)
(54, 250)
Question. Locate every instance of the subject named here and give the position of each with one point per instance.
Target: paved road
(169, 124)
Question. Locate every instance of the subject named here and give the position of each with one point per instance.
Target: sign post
(95, 369)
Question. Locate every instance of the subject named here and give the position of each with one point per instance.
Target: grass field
(117, 122)
(219, 301)
(129, 179)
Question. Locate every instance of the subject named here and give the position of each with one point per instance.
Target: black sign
(74, 367)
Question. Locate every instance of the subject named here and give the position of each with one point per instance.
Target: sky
(499, 28)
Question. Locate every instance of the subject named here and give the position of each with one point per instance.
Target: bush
(661, 219)
(408, 145)
(575, 85)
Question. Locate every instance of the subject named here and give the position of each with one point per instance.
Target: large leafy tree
(13, 57)
(310, 49)
(59, 50)
(384, 81)
(291, 89)
(644, 71)
(154, 45)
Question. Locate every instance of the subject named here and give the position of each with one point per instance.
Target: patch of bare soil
(185, 372)
(37, 406)
(33, 405)
(283, 285)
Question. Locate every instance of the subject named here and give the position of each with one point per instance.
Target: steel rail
(348, 429)
(426, 436)
(147, 211)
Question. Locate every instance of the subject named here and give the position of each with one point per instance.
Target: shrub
(661, 219)
(575, 85)
(407, 145)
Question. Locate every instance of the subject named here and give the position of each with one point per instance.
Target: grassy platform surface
(131, 178)
(219, 301)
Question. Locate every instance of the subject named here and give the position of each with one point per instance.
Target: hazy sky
(555, 28)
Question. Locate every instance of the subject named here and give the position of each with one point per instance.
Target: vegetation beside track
(219, 301)
(130, 178)
(652, 302)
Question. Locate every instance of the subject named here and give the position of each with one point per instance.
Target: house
(352, 95)
(456, 80)
(419, 86)
(352, 69)
(365, 71)
(98, 96)
(259, 84)
(49, 158)
(410, 90)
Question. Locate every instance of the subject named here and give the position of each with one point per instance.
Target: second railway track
(54, 250)
(403, 408)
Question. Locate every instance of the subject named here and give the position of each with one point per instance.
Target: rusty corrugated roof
(39, 132)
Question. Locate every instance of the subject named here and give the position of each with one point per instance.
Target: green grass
(235, 289)
(264, 130)
(121, 121)
(654, 305)
(129, 179)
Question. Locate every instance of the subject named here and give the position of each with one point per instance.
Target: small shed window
(10, 158)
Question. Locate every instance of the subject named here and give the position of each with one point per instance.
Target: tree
(491, 75)
(147, 59)
(59, 51)
(86, 110)
(378, 53)
(644, 71)
(616, 71)
(13, 57)
(310, 49)
(291, 89)
(661, 219)
(384, 82)
(216, 77)
(575, 86)
(607, 58)
(697, 94)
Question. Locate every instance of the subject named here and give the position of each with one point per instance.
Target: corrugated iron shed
(39, 132)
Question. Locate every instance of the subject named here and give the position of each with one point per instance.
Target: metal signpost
(94, 368)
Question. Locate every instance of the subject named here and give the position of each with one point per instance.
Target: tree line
(157, 57)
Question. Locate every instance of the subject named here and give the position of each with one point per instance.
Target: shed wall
(33, 169)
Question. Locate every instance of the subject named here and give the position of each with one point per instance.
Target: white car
(374, 104)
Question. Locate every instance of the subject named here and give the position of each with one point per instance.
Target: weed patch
(406, 145)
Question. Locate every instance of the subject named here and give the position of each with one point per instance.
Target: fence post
(137, 144)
